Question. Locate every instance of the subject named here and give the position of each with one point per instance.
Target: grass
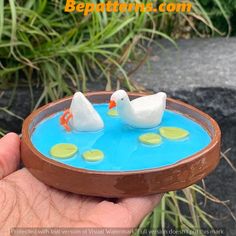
(222, 14)
(41, 46)
(2, 132)
(62, 51)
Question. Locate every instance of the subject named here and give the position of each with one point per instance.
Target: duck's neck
(126, 110)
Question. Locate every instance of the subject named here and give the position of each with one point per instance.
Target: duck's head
(118, 98)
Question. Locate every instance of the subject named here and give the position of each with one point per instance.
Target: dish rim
(215, 137)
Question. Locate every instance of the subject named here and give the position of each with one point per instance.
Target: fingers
(139, 207)
(9, 154)
(126, 213)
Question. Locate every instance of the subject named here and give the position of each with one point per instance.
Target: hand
(26, 202)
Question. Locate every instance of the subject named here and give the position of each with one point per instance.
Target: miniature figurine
(110, 162)
(143, 112)
(81, 116)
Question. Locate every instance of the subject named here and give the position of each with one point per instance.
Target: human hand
(26, 202)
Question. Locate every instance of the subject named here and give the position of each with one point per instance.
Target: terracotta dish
(120, 184)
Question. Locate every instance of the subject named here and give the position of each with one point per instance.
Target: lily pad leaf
(173, 133)
(113, 112)
(150, 138)
(63, 150)
(93, 155)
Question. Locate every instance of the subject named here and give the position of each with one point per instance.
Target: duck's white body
(84, 116)
(143, 112)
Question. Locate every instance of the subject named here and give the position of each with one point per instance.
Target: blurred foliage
(41, 45)
(222, 21)
(208, 18)
(182, 211)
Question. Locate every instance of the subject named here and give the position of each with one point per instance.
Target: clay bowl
(120, 184)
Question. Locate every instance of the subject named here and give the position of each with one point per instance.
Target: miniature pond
(120, 144)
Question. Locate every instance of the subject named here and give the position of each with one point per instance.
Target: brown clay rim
(215, 138)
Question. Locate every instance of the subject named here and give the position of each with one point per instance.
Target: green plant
(199, 21)
(2, 132)
(222, 14)
(41, 46)
(170, 214)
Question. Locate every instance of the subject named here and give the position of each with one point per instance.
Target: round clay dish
(120, 184)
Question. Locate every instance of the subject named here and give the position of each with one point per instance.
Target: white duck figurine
(143, 112)
(81, 116)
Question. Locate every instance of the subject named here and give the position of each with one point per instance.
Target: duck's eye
(122, 99)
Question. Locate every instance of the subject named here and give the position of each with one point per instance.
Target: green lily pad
(63, 150)
(150, 138)
(113, 112)
(93, 155)
(173, 133)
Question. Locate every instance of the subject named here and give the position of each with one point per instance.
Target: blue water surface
(120, 144)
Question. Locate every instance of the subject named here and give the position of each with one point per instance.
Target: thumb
(9, 154)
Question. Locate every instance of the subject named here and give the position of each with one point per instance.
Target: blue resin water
(120, 144)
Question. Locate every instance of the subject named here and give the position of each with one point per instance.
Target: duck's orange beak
(112, 104)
